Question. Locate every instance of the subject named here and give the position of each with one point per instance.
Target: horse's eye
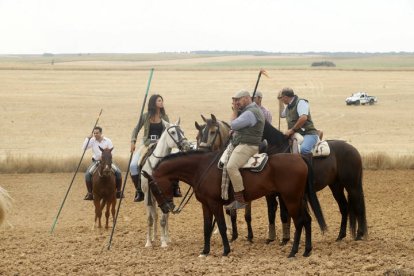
(212, 132)
(172, 132)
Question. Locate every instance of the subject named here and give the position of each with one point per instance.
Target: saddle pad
(255, 163)
(321, 149)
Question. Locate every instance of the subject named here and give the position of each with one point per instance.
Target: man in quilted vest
(299, 120)
(247, 124)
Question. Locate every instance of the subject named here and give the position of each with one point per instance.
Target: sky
(151, 26)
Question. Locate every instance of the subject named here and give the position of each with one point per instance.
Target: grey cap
(241, 93)
(258, 94)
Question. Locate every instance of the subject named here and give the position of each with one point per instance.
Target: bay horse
(213, 136)
(172, 137)
(5, 205)
(286, 174)
(341, 170)
(104, 188)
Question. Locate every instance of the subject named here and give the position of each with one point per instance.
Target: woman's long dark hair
(152, 105)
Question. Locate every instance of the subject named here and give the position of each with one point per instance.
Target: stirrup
(235, 205)
(89, 196)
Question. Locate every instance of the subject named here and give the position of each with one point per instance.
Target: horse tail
(356, 210)
(5, 205)
(313, 199)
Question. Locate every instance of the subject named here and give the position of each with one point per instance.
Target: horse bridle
(218, 134)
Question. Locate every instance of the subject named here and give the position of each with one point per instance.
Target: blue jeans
(133, 167)
(88, 175)
(309, 141)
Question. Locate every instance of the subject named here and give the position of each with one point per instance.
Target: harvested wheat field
(46, 114)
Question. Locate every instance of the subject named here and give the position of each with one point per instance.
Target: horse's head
(105, 165)
(162, 192)
(174, 136)
(213, 135)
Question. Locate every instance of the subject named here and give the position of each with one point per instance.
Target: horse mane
(178, 154)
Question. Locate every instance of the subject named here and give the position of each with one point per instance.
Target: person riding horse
(299, 120)
(248, 130)
(95, 142)
(153, 128)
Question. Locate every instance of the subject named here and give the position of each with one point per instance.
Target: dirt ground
(75, 248)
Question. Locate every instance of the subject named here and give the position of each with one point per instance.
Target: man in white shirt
(98, 140)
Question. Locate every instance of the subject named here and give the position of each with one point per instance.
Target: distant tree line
(323, 63)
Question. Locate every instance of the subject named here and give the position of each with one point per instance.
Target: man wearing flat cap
(299, 120)
(258, 100)
(247, 124)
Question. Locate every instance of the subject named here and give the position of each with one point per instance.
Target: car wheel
(371, 102)
(357, 103)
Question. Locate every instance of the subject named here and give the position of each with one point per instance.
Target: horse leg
(298, 231)
(164, 230)
(285, 218)
(308, 233)
(108, 205)
(98, 211)
(248, 219)
(208, 228)
(222, 228)
(339, 195)
(233, 217)
(271, 215)
(103, 203)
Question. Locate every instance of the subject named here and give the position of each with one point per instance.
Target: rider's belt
(153, 138)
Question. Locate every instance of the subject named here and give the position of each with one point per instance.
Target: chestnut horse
(286, 174)
(5, 205)
(104, 188)
(342, 170)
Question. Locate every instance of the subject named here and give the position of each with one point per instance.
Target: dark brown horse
(341, 171)
(286, 174)
(104, 188)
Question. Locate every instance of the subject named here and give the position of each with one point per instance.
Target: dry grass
(13, 164)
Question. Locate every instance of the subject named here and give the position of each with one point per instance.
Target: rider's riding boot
(238, 203)
(176, 189)
(89, 195)
(118, 188)
(139, 195)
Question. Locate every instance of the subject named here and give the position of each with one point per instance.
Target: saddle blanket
(255, 163)
(320, 149)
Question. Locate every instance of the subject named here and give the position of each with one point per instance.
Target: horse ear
(204, 119)
(197, 126)
(178, 122)
(111, 149)
(165, 123)
(101, 148)
(213, 118)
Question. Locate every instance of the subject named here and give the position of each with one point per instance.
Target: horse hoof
(225, 253)
(291, 255)
(307, 253)
(202, 255)
(284, 242)
(269, 241)
(148, 244)
(163, 245)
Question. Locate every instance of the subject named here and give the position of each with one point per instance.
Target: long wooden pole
(74, 175)
(129, 162)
